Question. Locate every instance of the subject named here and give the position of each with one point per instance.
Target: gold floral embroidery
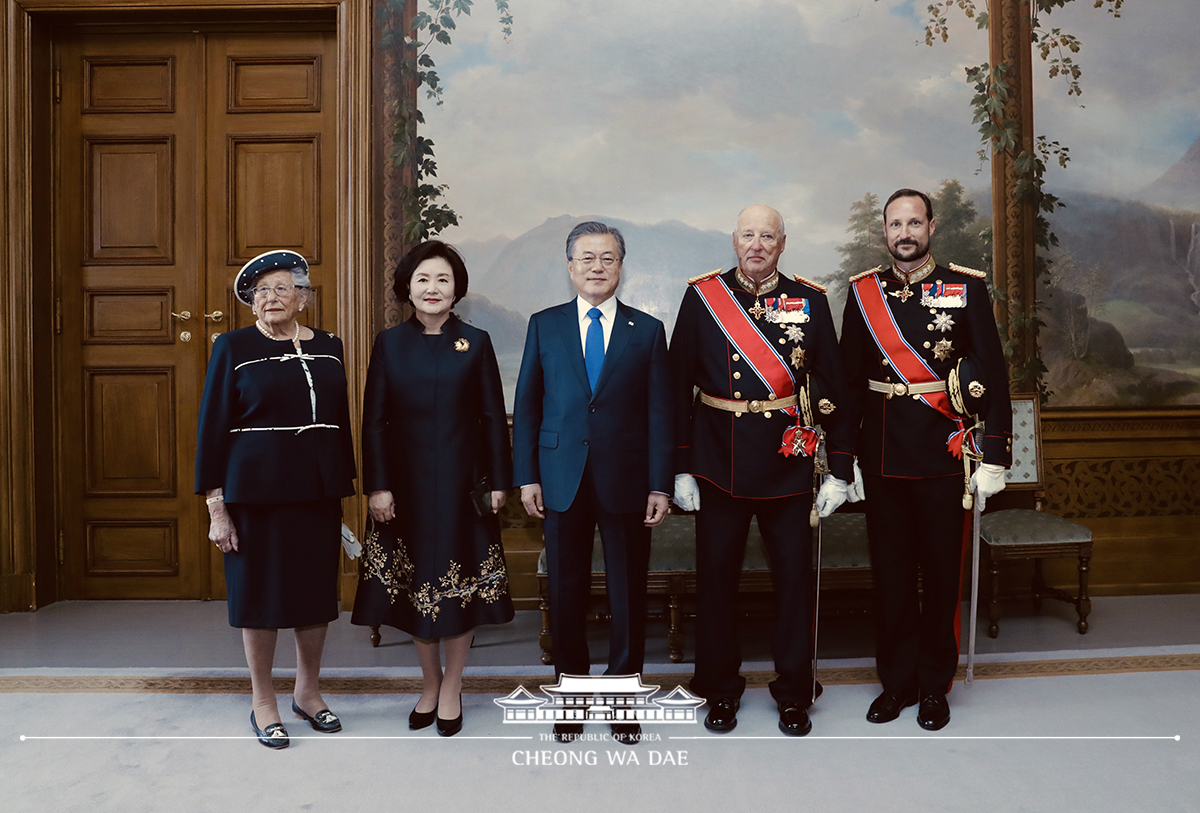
(396, 576)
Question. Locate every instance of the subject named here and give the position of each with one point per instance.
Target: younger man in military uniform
(921, 354)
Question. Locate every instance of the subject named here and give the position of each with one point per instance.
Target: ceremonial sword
(820, 469)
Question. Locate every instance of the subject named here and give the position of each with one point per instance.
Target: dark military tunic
(742, 474)
(434, 424)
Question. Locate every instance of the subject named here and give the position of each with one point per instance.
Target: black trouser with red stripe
(721, 529)
(916, 526)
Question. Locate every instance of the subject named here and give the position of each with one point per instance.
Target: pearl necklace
(263, 330)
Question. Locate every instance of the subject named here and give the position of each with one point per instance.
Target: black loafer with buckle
(324, 721)
(273, 736)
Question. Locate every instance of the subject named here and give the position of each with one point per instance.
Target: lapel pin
(462, 345)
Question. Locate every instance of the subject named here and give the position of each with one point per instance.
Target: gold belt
(902, 389)
(747, 406)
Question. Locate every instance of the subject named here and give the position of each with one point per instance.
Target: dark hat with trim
(265, 263)
(965, 385)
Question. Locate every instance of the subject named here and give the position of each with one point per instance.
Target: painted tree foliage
(426, 213)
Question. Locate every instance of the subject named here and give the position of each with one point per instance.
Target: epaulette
(970, 272)
(874, 270)
(811, 284)
(702, 277)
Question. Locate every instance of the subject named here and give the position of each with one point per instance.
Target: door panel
(181, 156)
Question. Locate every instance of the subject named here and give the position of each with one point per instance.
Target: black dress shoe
(324, 721)
(273, 736)
(421, 719)
(448, 728)
(722, 714)
(934, 712)
(627, 733)
(888, 705)
(568, 732)
(793, 720)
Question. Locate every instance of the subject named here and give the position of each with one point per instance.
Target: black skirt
(433, 586)
(284, 573)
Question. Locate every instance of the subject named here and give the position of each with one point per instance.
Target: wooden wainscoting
(1133, 478)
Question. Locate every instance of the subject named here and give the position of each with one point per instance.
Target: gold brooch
(462, 345)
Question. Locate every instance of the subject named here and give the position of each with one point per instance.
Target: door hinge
(62, 549)
(58, 316)
(57, 85)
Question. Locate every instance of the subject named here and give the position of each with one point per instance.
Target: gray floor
(186, 635)
(1104, 743)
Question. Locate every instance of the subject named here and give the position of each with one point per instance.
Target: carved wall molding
(1135, 487)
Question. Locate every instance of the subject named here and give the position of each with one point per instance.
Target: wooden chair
(845, 566)
(1019, 533)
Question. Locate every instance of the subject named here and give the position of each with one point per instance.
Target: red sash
(760, 355)
(907, 363)
(741, 332)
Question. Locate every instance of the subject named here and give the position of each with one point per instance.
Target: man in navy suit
(592, 445)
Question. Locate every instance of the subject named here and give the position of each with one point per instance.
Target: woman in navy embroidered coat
(274, 458)
(434, 427)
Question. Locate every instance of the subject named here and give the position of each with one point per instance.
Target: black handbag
(481, 497)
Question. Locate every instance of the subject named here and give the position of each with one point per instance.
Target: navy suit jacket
(623, 429)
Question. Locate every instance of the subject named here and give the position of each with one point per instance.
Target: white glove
(350, 543)
(832, 494)
(856, 492)
(987, 480)
(687, 493)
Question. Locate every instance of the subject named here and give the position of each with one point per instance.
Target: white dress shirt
(608, 312)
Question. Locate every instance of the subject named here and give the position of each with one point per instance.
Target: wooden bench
(845, 565)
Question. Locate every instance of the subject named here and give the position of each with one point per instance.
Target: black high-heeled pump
(421, 719)
(448, 728)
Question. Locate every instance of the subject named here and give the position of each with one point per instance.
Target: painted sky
(688, 111)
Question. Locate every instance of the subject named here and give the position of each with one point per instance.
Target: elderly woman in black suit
(274, 458)
(434, 430)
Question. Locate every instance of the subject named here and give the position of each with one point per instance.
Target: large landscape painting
(665, 119)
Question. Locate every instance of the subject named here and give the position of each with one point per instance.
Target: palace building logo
(599, 698)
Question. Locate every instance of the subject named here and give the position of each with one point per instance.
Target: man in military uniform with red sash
(922, 357)
(761, 349)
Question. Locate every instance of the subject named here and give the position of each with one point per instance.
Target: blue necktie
(593, 348)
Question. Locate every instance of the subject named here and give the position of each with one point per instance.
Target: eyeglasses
(281, 290)
(607, 261)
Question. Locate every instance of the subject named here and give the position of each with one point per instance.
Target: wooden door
(180, 156)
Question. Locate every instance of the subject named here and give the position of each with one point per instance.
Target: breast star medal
(942, 321)
(462, 345)
(794, 333)
(943, 349)
(797, 357)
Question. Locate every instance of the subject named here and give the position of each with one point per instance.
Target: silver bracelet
(218, 498)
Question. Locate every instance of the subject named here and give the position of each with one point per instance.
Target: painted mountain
(1122, 317)
(530, 273)
(1179, 186)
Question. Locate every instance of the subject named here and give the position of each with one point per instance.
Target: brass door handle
(183, 316)
(216, 316)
